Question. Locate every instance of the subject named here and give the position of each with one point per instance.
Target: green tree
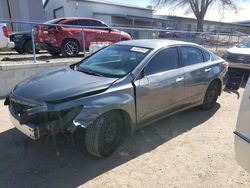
(198, 7)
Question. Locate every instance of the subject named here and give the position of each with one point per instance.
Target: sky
(212, 14)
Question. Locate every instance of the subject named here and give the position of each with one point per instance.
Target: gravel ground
(191, 149)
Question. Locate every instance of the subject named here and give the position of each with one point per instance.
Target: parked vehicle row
(117, 90)
(67, 40)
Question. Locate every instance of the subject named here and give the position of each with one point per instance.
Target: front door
(161, 86)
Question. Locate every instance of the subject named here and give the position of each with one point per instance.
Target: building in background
(189, 24)
(23, 10)
(114, 14)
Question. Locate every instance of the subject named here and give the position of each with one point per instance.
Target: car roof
(78, 18)
(154, 43)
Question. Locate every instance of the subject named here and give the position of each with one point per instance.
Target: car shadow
(38, 165)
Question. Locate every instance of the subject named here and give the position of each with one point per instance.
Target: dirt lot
(191, 149)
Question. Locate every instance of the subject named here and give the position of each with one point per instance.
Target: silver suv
(117, 90)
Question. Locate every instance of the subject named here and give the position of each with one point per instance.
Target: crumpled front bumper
(29, 130)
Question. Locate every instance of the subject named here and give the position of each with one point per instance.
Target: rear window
(54, 21)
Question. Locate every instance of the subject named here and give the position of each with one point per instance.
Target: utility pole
(10, 15)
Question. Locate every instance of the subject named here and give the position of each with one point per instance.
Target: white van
(242, 132)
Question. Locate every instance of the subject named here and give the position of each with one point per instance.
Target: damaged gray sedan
(117, 90)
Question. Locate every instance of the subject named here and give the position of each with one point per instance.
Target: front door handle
(208, 70)
(179, 79)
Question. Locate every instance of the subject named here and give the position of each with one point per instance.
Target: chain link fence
(216, 42)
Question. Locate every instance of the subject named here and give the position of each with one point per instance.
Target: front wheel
(211, 96)
(103, 137)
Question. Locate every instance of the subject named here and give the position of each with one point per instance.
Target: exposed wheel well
(126, 119)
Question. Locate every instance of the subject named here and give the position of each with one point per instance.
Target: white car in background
(5, 37)
(242, 132)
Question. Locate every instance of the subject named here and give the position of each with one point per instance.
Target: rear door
(197, 70)
(161, 88)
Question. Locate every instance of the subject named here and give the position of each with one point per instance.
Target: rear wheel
(28, 47)
(70, 48)
(103, 137)
(211, 96)
(20, 51)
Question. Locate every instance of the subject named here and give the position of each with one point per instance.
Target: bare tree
(198, 7)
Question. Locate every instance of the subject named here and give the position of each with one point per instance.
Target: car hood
(61, 83)
(236, 50)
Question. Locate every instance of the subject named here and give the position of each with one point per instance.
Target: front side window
(114, 61)
(164, 60)
(99, 25)
(84, 23)
(191, 56)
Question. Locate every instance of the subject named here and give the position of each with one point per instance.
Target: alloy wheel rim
(71, 48)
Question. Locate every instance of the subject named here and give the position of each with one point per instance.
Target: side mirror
(109, 29)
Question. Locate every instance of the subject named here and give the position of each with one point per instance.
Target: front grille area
(238, 58)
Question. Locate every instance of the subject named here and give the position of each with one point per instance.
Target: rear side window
(73, 22)
(206, 56)
(191, 56)
(164, 60)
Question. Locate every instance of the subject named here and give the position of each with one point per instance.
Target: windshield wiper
(87, 71)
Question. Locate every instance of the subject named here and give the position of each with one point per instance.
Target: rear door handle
(208, 69)
(179, 79)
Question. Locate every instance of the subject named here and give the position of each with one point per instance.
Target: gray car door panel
(160, 91)
(196, 74)
(196, 82)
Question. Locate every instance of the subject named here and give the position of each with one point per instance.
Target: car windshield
(114, 61)
(244, 44)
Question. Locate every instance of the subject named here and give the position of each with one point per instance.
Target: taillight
(5, 31)
(225, 65)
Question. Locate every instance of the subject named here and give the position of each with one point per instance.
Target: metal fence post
(120, 35)
(33, 44)
(217, 41)
(83, 42)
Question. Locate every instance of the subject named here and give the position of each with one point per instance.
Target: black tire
(70, 48)
(211, 96)
(28, 47)
(103, 137)
(20, 51)
(54, 52)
